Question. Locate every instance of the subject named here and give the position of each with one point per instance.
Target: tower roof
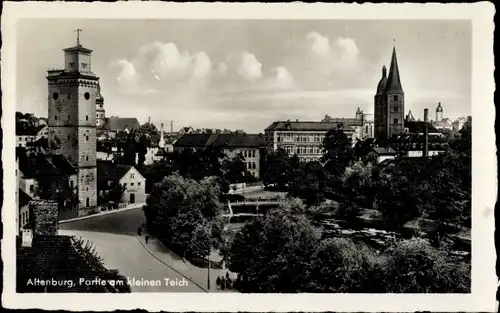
(383, 81)
(99, 97)
(409, 117)
(393, 80)
(439, 108)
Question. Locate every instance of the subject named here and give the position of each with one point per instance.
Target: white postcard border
(484, 171)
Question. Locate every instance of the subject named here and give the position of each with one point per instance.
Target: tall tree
(337, 151)
(277, 169)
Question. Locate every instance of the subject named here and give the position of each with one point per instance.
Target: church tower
(72, 119)
(380, 112)
(389, 102)
(100, 113)
(439, 113)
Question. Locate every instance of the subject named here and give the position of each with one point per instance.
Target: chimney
(426, 133)
(161, 144)
(149, 119)
(44, 217)
(171, 126)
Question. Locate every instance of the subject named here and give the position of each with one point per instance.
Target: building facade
(29, 135)
(72, 119)
(127, 176)
(249, 145)
(100, 112)
(362, 125)
(305, 139)
(389, 102)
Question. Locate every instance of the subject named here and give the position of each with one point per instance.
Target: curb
(100, 214)
(169, 266)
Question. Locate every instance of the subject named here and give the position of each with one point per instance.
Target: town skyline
(300, 70)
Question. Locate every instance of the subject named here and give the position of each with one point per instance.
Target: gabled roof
(393, 81)
(107, 170)
(120, 123)
(192, 140)
(220, 140)
(305, 126)
(38, 164)
(238, 140)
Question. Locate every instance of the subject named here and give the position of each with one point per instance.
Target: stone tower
(389, 102)
(100, 113)
(439, 113)
(72, 119)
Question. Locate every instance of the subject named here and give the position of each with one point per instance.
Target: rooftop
(220, 140)
(306, 126)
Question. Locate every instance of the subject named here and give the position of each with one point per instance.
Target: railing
(258, 200)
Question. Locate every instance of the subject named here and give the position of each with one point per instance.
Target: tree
(272, 253)
(113, 194)
(235, 170)
(277, 169)
(414, 266)
(357, 190)
(177, 207)
(308, 182)
(150, 131)
(337, 151)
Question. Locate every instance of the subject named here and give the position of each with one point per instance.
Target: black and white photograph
(249, 156)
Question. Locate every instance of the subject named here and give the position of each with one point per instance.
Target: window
(88, 202)
(86, 117)
(131, 184)
(395, 121)
(395, 109)
(253, 154)
(25, 138)
(254, 166)
(87, 138)
(32, 188)
(125, 185)
(86, 158)
(71, 64)
(69, 96)
(139, 184)
(84, 65)
(55, 117)
(395, 97)
(132, 175)
(97, 115)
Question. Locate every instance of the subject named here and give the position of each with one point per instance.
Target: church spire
(393, 80)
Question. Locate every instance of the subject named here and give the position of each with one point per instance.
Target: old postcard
(248, 157)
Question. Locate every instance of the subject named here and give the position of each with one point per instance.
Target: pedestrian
(227, 275)
(217, 281)
(147, 238)
(223, 284)
(139, 231)
(229, 283)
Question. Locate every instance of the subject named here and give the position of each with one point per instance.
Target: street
(115, 239)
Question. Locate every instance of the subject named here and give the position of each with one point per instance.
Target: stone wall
(44, 217)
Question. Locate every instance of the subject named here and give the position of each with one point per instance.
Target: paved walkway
(127, 254)
(116, 241)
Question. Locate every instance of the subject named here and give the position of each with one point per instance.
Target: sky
(245, 74)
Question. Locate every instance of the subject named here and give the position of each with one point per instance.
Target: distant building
(30, 134)
(380, 154)
(440, 122)
(363, 127)
(305, 139)
(126, 175)
(33, 167)
(389, 102)
(24, 212)
(459, 123)
(249, 145)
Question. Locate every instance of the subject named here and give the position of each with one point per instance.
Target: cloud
(280, 78)
(125, 72)
(202, 65)
(318, 43)
(246, 65)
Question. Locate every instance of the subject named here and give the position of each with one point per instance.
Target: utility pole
(208, 273)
